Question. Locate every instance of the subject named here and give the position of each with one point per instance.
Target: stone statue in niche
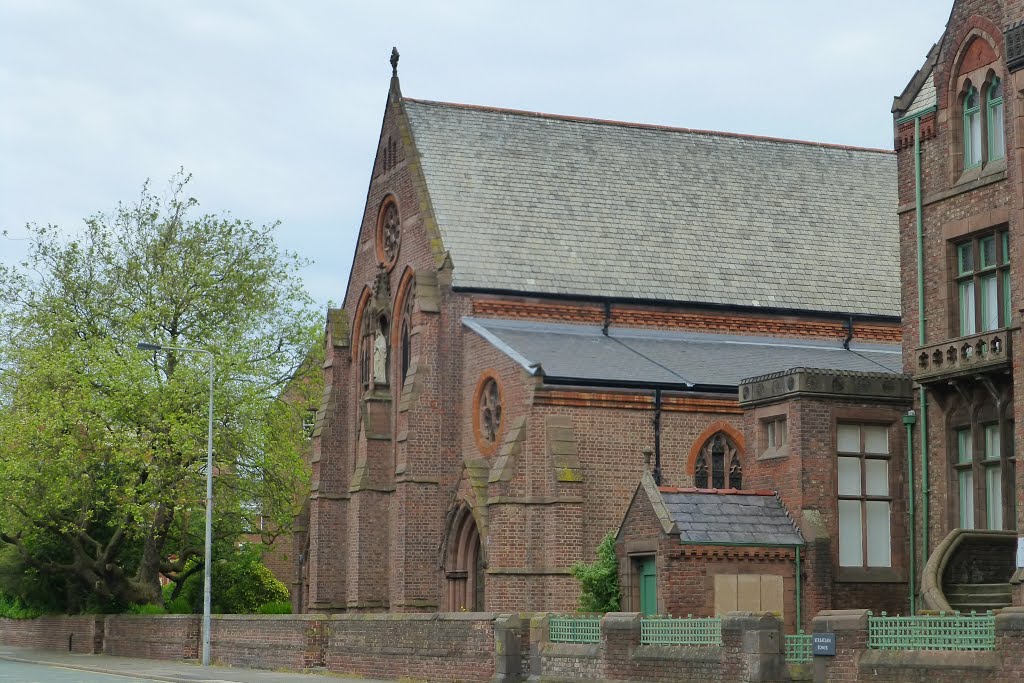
(380, 354)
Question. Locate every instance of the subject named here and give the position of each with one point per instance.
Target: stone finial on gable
(394, 62)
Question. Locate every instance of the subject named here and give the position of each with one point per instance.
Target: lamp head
(145, 346)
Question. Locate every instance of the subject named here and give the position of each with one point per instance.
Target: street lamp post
(143, 346)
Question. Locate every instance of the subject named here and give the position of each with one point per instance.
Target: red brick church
(544, 312)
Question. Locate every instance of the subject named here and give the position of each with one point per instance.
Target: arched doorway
(463, 565)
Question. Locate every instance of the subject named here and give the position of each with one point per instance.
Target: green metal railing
(574, 629)
(798, 648)
(689, 631)
(933, 632)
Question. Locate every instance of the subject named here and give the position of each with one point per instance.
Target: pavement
(46, 665)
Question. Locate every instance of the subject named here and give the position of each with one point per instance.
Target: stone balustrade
(964, 355)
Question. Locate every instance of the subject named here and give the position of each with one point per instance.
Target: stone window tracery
(389, 232)
(488, 412)
(710, 467)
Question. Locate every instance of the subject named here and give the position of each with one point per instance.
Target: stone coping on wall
(885, 387)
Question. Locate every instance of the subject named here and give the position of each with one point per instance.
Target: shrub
(275, 607)
(146, 609)
(178, 606)
(12, 608)
(241, 584)
(599, 580)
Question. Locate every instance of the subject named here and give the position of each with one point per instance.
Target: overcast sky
(275, 105)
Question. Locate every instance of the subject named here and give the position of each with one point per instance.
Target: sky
(275, 106)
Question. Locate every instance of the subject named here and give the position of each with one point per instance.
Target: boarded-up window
(748, 593)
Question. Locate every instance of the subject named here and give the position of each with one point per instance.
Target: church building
(550, 318)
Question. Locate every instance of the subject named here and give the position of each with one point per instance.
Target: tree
(102, 446)
(599, 580)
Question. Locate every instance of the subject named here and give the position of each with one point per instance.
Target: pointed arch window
(718, 463)
(365, 356)
(972, 128)
(996, 134)
(405, 335)
(735, 473)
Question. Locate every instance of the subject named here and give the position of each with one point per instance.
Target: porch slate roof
(730, 516)
(582, 353)
(545, 204)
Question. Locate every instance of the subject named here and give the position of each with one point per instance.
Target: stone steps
(979, 597)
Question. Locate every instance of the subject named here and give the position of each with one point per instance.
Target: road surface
(19, 672)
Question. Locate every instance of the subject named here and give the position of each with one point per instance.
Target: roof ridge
(648, 126)
(721, 492)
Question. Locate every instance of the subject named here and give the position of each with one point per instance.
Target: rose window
(390, 232)
(490, 411)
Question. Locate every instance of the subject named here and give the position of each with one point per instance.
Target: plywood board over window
(748, 593)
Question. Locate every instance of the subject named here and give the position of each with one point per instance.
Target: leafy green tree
(102, 446)
(599, 580)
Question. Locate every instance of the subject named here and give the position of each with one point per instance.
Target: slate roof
(564, 352)
(925, 98)
(754, 517)
(546, 204)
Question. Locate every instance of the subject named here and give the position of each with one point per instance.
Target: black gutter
(650, 386)
(675, 303)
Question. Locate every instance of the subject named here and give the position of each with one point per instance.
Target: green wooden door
(648, 587)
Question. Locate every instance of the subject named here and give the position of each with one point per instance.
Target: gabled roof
(584, 354)
(720, 517)
(535, 203)
(925, 98)
(730, 516)
(919, 93)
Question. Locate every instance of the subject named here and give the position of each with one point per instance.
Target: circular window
(487, 417)
(389, 232)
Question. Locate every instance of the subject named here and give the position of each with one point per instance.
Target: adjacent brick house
(957, 128)
(535, 300)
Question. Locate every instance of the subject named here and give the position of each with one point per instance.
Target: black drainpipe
(657, 437)
(607, 317)
(849, 333)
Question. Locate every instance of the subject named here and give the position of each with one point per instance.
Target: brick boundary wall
(449, 647)
(454, 646)
(752, 650)
(855, 662)
(152, 636)
(505, 648)
(78, 634)
(270, 641)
